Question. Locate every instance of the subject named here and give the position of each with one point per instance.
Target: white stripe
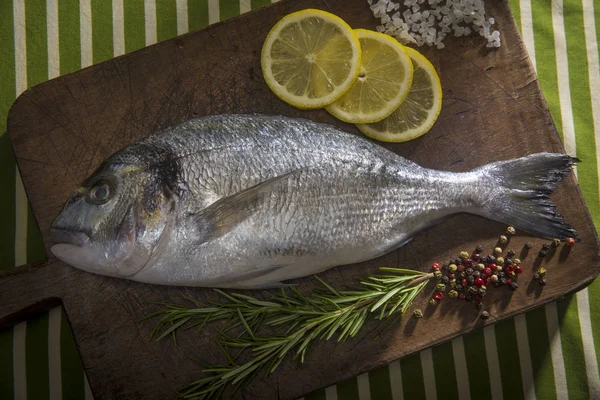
(524, 357)
(587, 336)
(19, 365)
(118, 28)
(245, 6)
(396, 380)
(331, 393)
(52, 28)
(54, 363)
(491, 352)
(527, 29)
(88, 391)
(364, 389)
(213, 11)
(182, 17)
(558, 363)
(150, 21)
(593, 71)
(85, 29)
(460, 367)
(428, 374)
(562, 68)
(21, 85)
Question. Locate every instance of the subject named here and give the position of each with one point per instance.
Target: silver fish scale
(345, 200)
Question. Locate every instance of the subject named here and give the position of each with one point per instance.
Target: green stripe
(166, 19)
(508, 358)
(515, 8)
(379, 383)
(477, 368)
(6, 366)
(539, 350)
(413, 385)
(260, 3)
(546, 57)
(445, 373)
(7, 202)
(135, 34)
(318, 395)
(197, 14)
(348, 389)
(68, 36)
(7, 164)
(71, 368)
(229, 9)
(38, 386)
(36, 42)
(102, 30)
(572, 348)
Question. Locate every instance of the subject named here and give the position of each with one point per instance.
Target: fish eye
(99, 193)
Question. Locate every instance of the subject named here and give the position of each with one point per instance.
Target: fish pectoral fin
(226, 213)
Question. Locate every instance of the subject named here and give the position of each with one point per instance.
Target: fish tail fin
(521, 197)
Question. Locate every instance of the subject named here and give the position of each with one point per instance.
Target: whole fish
(248, 201)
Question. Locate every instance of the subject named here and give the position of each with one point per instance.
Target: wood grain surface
(62, 129)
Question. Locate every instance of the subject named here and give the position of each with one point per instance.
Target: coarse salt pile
(430, 21)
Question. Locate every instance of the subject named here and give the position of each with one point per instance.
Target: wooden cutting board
(61, 130)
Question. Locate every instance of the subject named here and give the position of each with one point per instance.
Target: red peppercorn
(463, 282)
(461, 296)
(487, 271)
(570, 242)
(451, 276)
(492, 266)
(488, 281)
(438, 295)
(478, 297)
(435, 267)
(519, 270)
(476, 257)
(467, 261)
(479, 282)
(508, 281)
(459, 268)
(510, 269)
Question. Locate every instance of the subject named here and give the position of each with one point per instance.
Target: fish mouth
(64, 236)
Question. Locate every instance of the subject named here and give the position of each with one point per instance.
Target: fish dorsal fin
(226, 213)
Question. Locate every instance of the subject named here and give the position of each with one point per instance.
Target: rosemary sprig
(299, 319)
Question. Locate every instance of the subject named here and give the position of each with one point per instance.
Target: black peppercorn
(470, 279)
(508, 261)
(543, 253)
(461, 275)
(496, 284)
(476, 274)
(485, 315)
(528, 245)
(546, 246)
(536, 276)
(469, 271)
(457, 261)
(491, 258)
(543, 282)
(478, 248)
(501, 274)
(482, 291)
(484, 259)
(445, 279)
(479, 306)
(469, 297)
(472, 290)
(513, 285)
(511, 253)
(503, 281)
(459, 287)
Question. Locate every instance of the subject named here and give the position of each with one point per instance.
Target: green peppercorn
(542, 271)
(498, 267)
(516, 261)
(433, 302)
(481, 291)
(437, 274)
(472, 290)
(452, 268)
(418, 313)
(500, 260)
(502, 239)
(452, 283)
(556, 242)
(497, 250)
(510, 230)
(440, 287)
(480, 267)
(494, 278)
(453, 294)
(463, 254)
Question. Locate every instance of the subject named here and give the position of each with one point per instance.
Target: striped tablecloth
(544, 354)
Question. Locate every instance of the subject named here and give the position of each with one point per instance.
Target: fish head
(113, 223)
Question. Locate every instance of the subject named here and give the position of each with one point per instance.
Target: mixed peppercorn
(469, 276)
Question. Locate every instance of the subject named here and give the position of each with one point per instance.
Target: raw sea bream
(249, 201)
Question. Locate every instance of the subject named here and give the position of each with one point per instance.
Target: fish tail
(521, 196)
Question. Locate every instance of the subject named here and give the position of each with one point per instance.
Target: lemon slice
(417, 114)
(310, 58)
(385, 77)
